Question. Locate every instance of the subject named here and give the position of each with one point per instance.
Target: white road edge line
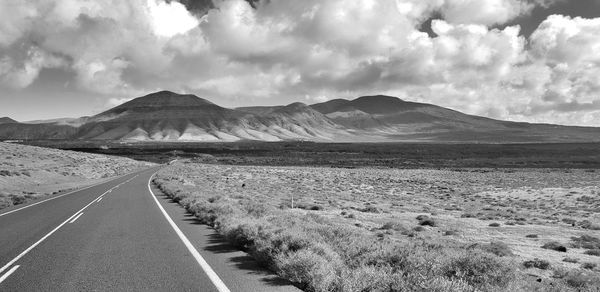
(8, 273)
(98, 201)
(44, 238)
(76, 218)
(203, 264)
(50, 199)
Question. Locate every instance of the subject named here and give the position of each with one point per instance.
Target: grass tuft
(554, 245)
(537, 263)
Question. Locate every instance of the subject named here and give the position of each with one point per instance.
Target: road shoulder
(238, 270)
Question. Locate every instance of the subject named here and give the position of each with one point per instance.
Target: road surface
(121, 235)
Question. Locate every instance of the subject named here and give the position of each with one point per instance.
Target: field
(394, 216)
(389, 155)
(385, 229)
(28, 173)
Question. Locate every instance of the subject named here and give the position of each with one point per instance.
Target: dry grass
(28, 172)
(401, 230)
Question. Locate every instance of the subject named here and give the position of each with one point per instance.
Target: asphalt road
(121, 235)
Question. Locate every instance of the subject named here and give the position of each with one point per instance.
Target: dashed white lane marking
(203, 264)
(77, 217)
(75, 191)
(53, 230)
(44, 238)
(50, 199)
(8, 273)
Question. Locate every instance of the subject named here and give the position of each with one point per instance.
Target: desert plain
(462, 229)
(367, 220)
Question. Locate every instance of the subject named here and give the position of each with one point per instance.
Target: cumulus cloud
(240, 52)
(487, 12)
(21, 68)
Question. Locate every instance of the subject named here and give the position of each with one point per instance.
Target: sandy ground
(553, 204)
(31, 172)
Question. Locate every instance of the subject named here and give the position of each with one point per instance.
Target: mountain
(7, 120)
(160, 116)
(399, 120)
(168, 116)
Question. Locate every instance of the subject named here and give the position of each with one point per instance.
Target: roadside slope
(29, 172)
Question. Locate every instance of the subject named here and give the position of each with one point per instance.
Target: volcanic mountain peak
(375, 104)
(330, 106)
(295, 107)
(7, 120)
(381, 104)
(164, 105)
(164, 99)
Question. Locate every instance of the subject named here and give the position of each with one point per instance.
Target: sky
(520, 60)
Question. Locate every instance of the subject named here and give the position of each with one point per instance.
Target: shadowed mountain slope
(7, 120)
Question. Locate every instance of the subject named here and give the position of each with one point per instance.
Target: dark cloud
(582, 8)
(201, 7)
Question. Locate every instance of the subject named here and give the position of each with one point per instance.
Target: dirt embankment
(28, 172)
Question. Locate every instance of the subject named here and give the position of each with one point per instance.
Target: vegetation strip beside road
(320, 254)
(203, 264)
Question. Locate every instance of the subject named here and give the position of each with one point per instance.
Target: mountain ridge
(169, 116)
(7, 120)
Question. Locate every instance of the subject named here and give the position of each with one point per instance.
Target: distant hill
(7, 120)
(168, 116)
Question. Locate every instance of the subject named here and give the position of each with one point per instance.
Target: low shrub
(586, 224)
(422, 217)
(593, 252)
(554, 245)
(311, 207)
(495, 224)
(309, 269)
(419, 228)
(589, 266)
(570, 260)
(393, 226)
(18, 199)
(585, 241)
(531, 236)
(478, 269)
(370, 209)
(581, 280)
(500, 249)
(537, 263)
(425, 220)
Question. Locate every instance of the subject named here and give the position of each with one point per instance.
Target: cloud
(169, 19)
(486, 12)
(548, 3)
(569, 48)
(282, 51)
(112, 102)
(20, 69)
(109, 45)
